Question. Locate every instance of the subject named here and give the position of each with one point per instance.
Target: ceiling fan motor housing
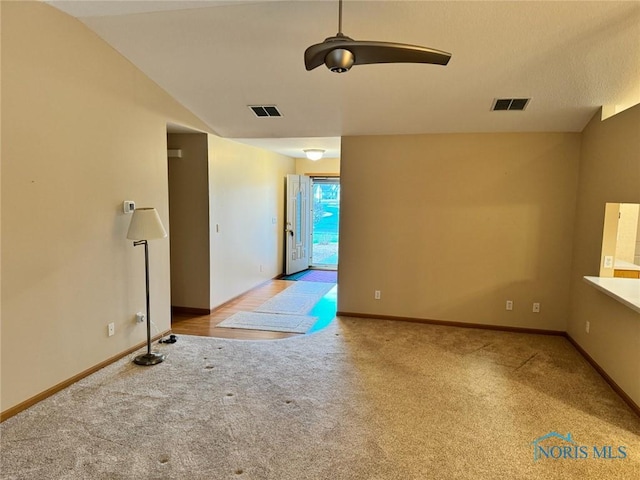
(339, 60)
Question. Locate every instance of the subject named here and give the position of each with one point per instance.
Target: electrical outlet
(608, 261)
(140, 317)
(111, 329)
(376, 294)
(536, 307)
(509, 305)
(586, 327)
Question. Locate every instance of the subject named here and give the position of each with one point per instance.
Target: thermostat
(129, 206)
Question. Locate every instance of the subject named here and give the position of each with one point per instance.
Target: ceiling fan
(340, 53)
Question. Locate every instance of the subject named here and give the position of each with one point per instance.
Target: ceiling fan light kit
(340, 53)
(339, 60)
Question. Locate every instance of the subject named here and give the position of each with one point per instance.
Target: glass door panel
(326, 222)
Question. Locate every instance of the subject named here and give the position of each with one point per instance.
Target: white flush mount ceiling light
(314, 153)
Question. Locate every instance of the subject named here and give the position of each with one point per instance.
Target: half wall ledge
(624, 290)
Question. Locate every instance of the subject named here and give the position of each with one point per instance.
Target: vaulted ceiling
(218, 57)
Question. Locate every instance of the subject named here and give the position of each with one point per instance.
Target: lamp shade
(145, 225)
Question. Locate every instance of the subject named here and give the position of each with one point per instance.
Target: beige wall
(189, 219)
(627, 231)
(247, 216)
(76, 143)
(305, 166)
(609, 172)
(449, 227)
(227, 228)
(82, 131)
(609, 238)
(1, 153)
(636, 256)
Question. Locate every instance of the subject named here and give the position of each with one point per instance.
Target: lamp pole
(150, 358)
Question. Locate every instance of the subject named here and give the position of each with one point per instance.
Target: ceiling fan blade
(367, 52)
(386, 52)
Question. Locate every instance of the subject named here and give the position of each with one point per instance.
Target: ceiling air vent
(510, 104)
(264, 111)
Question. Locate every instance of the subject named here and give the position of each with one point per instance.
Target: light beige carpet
(361, 399)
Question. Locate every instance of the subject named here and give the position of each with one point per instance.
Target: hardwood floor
(206, 325)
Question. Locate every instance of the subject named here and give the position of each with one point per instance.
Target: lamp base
(147, 359)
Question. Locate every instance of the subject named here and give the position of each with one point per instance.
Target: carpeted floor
(359, 400)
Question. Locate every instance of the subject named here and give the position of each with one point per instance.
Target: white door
(298, 228)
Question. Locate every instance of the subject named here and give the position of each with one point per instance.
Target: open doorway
(188, 185)
(312, 223)
(326, 222)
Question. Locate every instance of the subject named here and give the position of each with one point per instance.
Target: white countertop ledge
(624, 290)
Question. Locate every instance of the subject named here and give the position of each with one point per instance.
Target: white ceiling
(217, 57)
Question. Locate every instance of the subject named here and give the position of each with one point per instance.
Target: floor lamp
(146, 225)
